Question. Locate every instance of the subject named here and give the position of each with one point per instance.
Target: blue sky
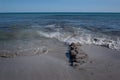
(59, 5)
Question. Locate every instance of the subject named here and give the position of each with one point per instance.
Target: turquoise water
(85, 28)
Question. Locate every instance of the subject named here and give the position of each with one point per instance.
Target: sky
(59, 5)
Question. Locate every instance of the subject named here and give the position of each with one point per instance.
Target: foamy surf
(79, 28)
(68, 38)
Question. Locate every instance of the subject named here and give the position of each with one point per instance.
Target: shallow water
(26, 30)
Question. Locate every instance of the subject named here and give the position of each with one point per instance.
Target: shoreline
(102, 64)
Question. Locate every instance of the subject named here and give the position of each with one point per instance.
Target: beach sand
(102, 64)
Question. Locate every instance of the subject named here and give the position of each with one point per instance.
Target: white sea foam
(68, 38)
(50, 35)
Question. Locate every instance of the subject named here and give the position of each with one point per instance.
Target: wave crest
(68, 38)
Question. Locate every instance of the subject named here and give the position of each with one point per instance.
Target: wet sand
(102, 64)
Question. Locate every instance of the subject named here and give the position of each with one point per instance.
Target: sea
(21, 32)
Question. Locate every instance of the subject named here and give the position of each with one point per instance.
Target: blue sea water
(86, 28)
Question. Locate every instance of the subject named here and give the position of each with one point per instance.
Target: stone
(77, 55)
(72, 52)
(96, 40)
(73, 46)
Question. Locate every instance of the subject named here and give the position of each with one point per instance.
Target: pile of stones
(77, 56)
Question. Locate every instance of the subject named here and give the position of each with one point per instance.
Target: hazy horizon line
(59, 12)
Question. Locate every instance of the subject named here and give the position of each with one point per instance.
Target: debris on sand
(23, 52)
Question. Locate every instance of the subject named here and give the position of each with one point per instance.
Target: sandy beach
(37, 46)
(102, 64)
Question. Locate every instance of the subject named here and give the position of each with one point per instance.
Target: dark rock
(105, 45)
(73, 55)
(77, 55)
(73, 46)
(96, 40)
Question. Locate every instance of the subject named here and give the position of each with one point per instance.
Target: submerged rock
(96, 39)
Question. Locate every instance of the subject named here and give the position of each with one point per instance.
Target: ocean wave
(63, 33)
(83, 38)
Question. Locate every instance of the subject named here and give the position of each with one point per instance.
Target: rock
(105, 45)
(73, 55)
(77, 55)
(96, 40)
(73, 46)
(72, 52)
(81, 56)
